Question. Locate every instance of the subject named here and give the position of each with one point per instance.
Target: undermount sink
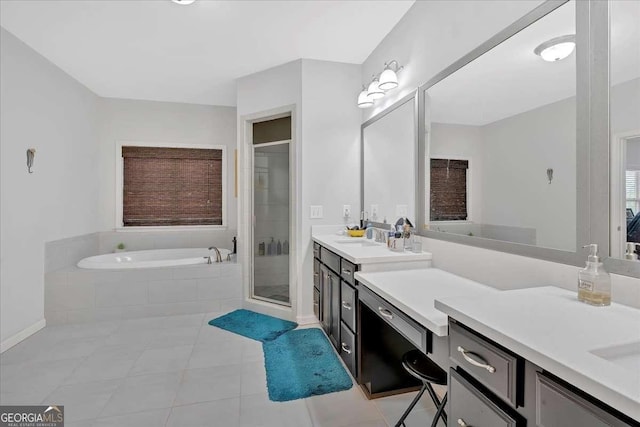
(626, 356)
(362, 243)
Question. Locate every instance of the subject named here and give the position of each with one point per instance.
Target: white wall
(330, 154)
(430, 37)
(44, 108)
(521, 148)
(150, 121)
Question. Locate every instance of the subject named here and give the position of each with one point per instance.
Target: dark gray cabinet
(335, 287)
(491, 386)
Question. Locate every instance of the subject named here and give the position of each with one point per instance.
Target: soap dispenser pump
(594, 283)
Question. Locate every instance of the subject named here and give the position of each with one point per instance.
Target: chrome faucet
(218, 254)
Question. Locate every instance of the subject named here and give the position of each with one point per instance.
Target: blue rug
(253, 325)
(302, 363)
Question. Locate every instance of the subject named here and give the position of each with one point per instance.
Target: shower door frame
(246, 213)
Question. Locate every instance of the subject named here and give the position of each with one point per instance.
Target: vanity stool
(420, 366)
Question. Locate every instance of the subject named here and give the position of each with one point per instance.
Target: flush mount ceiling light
(557, 48)
(389, 77)
(183, 2)
(363, 99)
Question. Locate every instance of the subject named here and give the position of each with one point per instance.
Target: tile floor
(172, 371)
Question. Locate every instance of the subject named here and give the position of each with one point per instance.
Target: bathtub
(152, 258)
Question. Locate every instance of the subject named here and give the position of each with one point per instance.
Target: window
(632, 184)
(449, 190)
(168, 186)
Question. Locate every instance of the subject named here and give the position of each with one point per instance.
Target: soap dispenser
(594, 283)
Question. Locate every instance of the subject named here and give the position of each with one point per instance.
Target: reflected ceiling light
(373, 91)
(183, 2)
(557, 48)
(389, 77)
(363, 99)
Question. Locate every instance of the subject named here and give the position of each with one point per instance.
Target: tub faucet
(218, 254)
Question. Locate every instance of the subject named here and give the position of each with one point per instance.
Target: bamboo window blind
(171, 186)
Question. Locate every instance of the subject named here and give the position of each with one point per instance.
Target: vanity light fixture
(557, 48)
(183, 2)
(389, 76)
(363, 99)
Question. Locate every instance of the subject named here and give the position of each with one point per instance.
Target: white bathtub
(152, 258)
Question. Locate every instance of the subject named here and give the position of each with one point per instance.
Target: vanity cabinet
(335, 288)
(490, 386)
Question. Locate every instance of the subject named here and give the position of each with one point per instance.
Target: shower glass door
(271, 227)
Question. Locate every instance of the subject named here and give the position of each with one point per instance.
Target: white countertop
(358, 254)
(549, 327)
(414, 292)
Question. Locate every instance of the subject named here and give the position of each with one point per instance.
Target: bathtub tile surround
(74, 295)
(62, 253)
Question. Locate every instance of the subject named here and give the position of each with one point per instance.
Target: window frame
(119, 186)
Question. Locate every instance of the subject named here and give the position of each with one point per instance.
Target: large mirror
(389, 163)
(624, 98)
(500, 140)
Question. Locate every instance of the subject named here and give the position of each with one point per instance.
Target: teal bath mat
(253, 325)
(302, 363)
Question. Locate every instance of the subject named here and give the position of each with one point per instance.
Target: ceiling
(158, 50)
(510, 79)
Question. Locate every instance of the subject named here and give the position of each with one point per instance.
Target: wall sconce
(31, 153)
(385, 81)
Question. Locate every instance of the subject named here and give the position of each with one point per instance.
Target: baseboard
(306, 320)
(22, 335)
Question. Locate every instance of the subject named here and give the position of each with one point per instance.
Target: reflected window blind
(632, 190)
(171, 186)
(449, 190)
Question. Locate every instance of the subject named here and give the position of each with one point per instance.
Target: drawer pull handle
(480, 364)
(346, 305)
(385, 313)
(315, 274)
(346, 271)
(345, 348)
(461, 423)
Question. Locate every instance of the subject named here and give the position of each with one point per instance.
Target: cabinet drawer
(348, 306)
(492, 366)
(316, 250)
(330, 259)
(402, 323)
(470, 407)
(347, 270)
(316, 273)
(556, 406)
(348, 348)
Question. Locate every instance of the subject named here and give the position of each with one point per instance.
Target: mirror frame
(592, 134)
(411, 97)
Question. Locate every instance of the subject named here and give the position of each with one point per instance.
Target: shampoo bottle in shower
(285, 247)
(279, 248)
(271, 248)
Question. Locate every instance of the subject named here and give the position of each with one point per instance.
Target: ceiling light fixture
(363, 99)
(557, 48)
(183, 2)
(389, 77)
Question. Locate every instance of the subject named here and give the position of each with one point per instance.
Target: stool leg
(440, 412)
(413, 403)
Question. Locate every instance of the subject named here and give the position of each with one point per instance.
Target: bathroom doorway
(625, 191)
(271, 159)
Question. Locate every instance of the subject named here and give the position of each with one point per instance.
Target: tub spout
(218, 254)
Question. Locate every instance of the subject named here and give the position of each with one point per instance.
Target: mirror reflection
(501, 140)
(389, 146)
(625, 129)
